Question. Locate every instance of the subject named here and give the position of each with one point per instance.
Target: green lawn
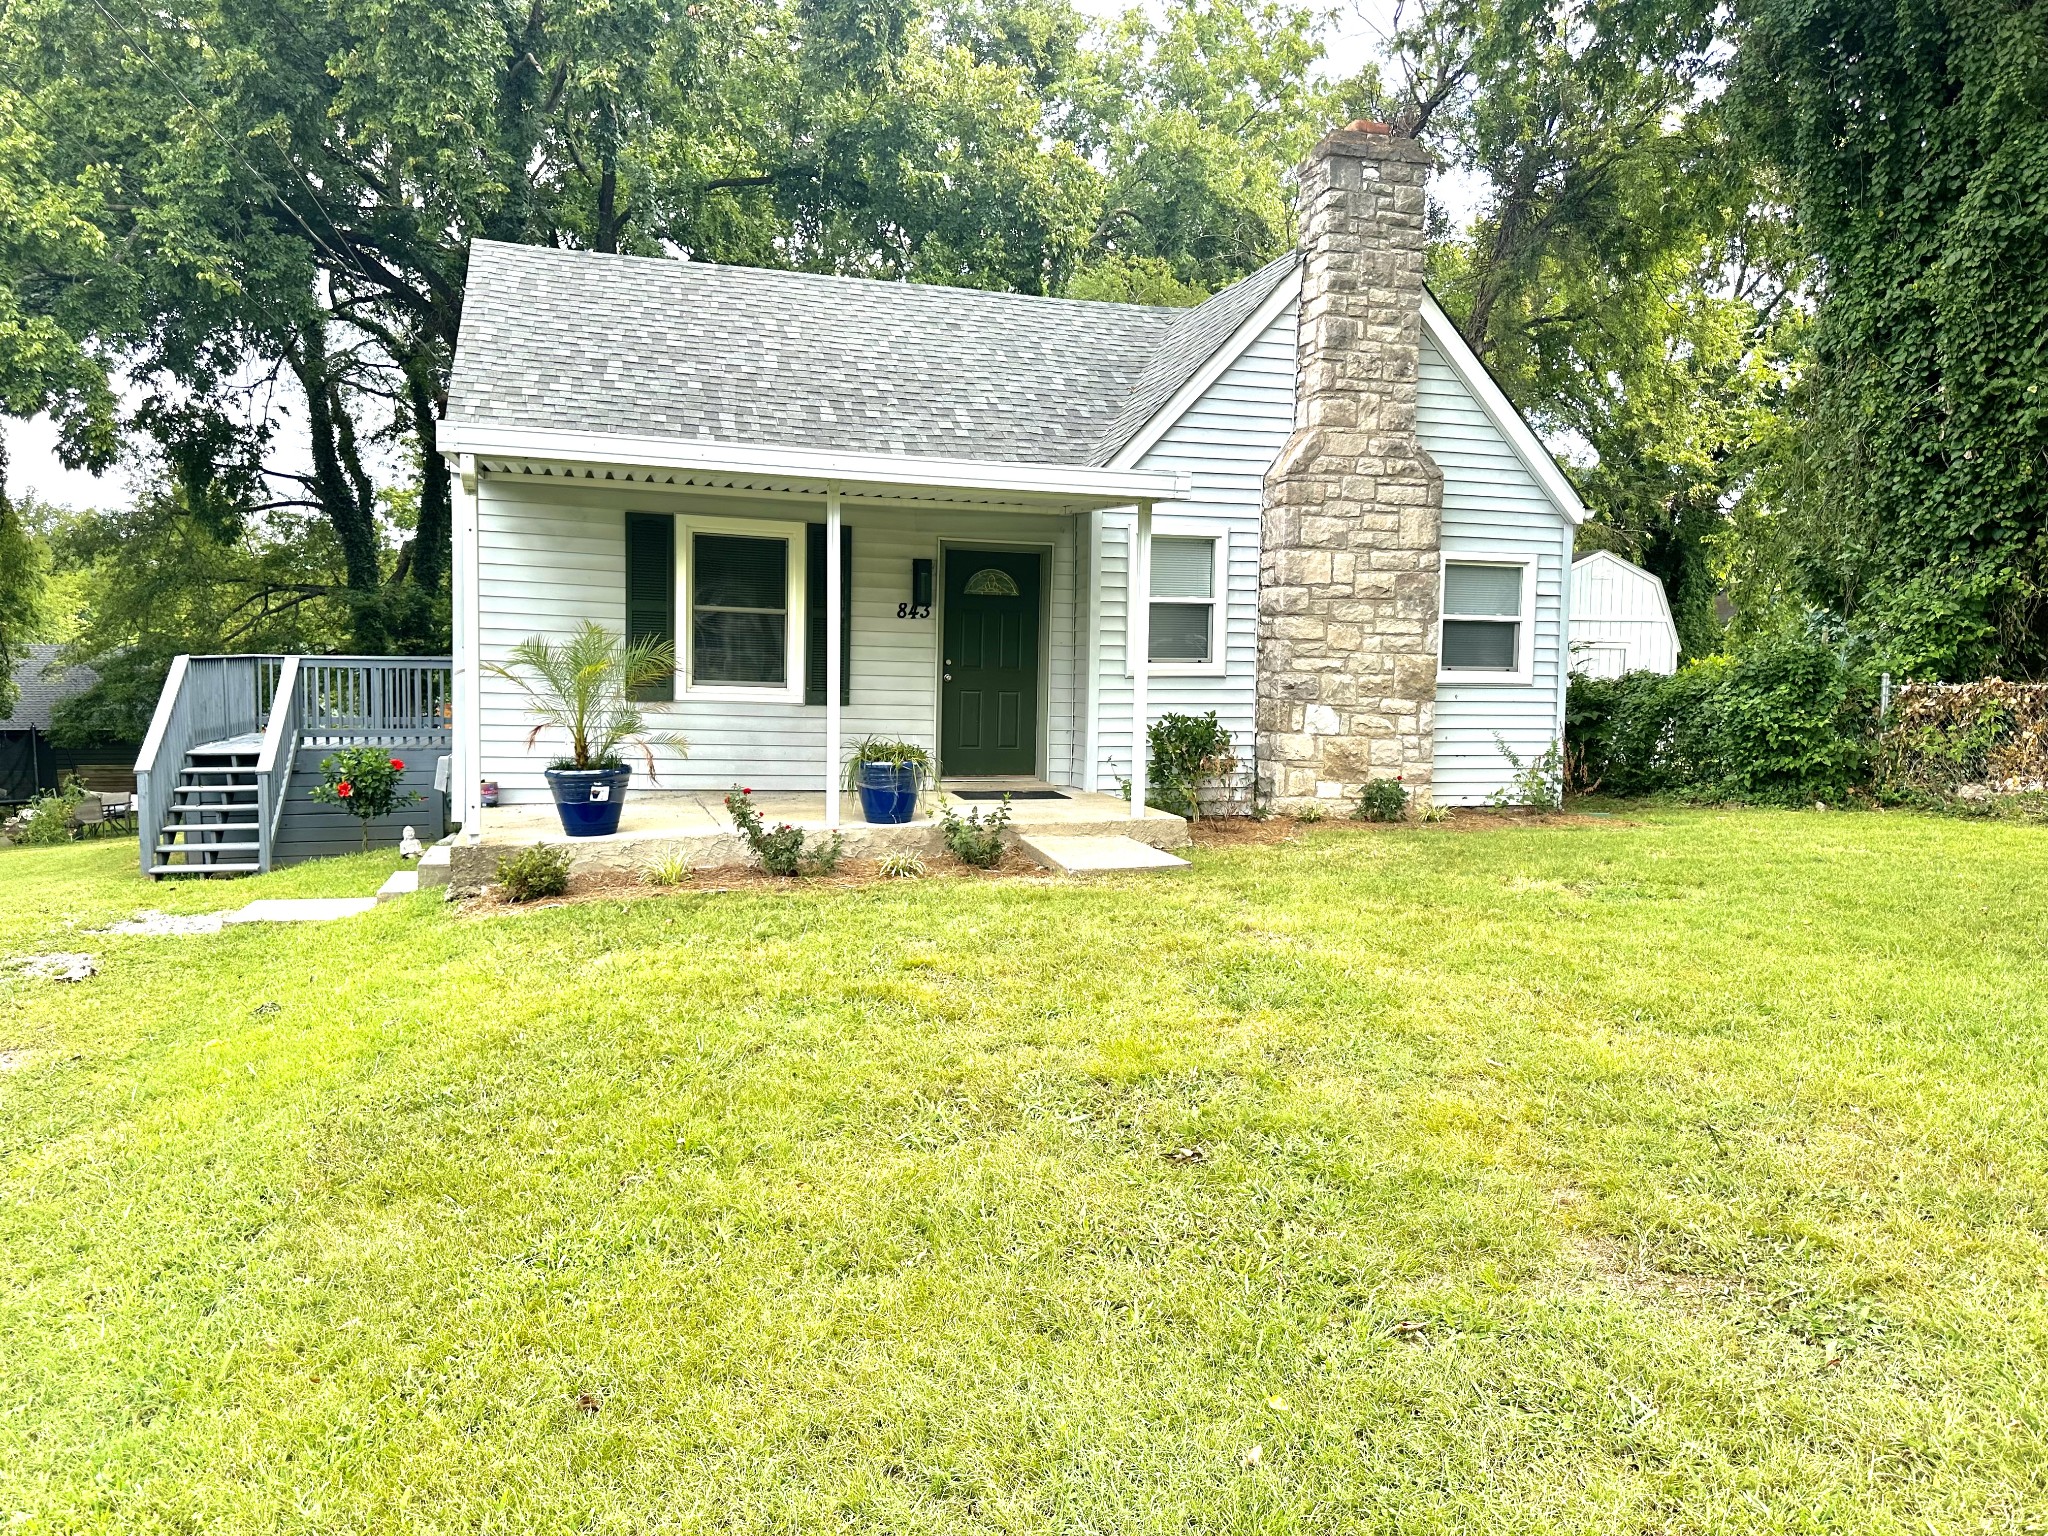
(1677, 1172)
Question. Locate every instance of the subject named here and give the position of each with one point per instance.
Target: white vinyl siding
(553, 554)
(1493, 510)
(1224, 442)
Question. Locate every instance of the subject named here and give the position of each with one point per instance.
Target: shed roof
(44, 685)
(556, 341)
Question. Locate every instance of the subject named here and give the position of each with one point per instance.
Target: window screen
(1183, 599)
(1482, 614)
(739, 610)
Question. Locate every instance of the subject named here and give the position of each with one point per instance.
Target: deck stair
(226, 778)
(213, 825)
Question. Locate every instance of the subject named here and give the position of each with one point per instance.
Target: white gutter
(1068, 486)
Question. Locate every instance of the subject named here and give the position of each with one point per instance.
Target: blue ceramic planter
(888, 793)
(589, 799)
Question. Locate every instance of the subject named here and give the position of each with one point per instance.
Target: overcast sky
(33, 468)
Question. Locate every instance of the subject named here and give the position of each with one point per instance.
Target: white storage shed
(1620, 619)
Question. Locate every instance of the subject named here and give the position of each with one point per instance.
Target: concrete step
(205, 869)
(402, 882)
(1097, 855)
(436, 864)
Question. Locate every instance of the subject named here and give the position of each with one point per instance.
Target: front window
(1183, 600)
(739, 610)
(1483, 621)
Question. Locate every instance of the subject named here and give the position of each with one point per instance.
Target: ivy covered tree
(1914, 136)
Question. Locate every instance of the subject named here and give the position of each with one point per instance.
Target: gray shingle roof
(42, 692)
(1191, 342)
(573, 341)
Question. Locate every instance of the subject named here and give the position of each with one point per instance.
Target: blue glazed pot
(589, 799)
(888, 793)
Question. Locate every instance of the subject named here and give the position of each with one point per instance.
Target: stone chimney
(1354, 506)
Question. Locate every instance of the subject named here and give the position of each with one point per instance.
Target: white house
(1620, 619)
(860, 507)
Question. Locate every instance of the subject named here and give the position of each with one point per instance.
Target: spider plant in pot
(583, 687)
(889, 776)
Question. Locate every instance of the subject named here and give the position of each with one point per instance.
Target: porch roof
(686, 464)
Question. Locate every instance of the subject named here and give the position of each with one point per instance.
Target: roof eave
(1053, 487)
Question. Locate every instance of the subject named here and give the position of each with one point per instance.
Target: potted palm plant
(889, 776)
(583, 687)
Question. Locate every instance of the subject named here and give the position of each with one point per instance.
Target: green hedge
(1786, 722)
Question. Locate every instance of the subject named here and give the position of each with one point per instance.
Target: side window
(1484, 628)
(1183, 600)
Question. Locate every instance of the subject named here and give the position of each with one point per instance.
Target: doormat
(1008, 794)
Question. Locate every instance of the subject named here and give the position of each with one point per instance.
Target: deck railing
(289, 702)
(205, 698)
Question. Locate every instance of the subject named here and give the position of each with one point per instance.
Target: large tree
(1626, 276)
(1915, 136)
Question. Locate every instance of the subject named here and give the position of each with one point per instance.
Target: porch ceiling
(687, 465)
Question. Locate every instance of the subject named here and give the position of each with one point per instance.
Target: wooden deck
(225, 780)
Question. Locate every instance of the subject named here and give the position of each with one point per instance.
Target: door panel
(988, 700)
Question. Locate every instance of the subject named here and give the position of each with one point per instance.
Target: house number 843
(913, 610)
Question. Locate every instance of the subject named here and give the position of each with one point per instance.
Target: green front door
(988, 701)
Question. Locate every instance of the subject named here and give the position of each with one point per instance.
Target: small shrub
(670, 869)
(973, 838)
(531, 873)
(1538, 782)
(782, 849)
(903, 866)
(364, 782)
(1310, 813)
(1186, 752)
(47, 819)
(1382, 800)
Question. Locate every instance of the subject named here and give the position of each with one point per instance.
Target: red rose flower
(746, 791)
(344, 789)
(397, 766)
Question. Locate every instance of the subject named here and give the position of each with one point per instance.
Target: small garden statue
(364, 781)
(409, 845)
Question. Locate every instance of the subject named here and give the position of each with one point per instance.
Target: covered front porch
(696, 826)
(811, 603)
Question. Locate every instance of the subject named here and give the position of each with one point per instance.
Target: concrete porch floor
(695, 824)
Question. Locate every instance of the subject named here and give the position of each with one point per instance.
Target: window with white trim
(740, 601)
(1184, 601)
(1485, 626)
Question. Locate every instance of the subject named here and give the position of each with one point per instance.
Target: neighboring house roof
(43, 690)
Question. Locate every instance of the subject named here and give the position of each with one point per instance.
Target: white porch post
(466, 755)
(834, 662)
(1139, 608)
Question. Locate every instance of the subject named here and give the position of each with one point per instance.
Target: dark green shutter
(651, 591)
(814, 613)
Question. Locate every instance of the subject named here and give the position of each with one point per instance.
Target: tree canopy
(1772, 278)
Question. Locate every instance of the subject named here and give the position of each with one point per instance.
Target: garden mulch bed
(851, 874)
(1213, 832)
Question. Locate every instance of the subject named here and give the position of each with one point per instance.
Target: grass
(1682, 1172)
